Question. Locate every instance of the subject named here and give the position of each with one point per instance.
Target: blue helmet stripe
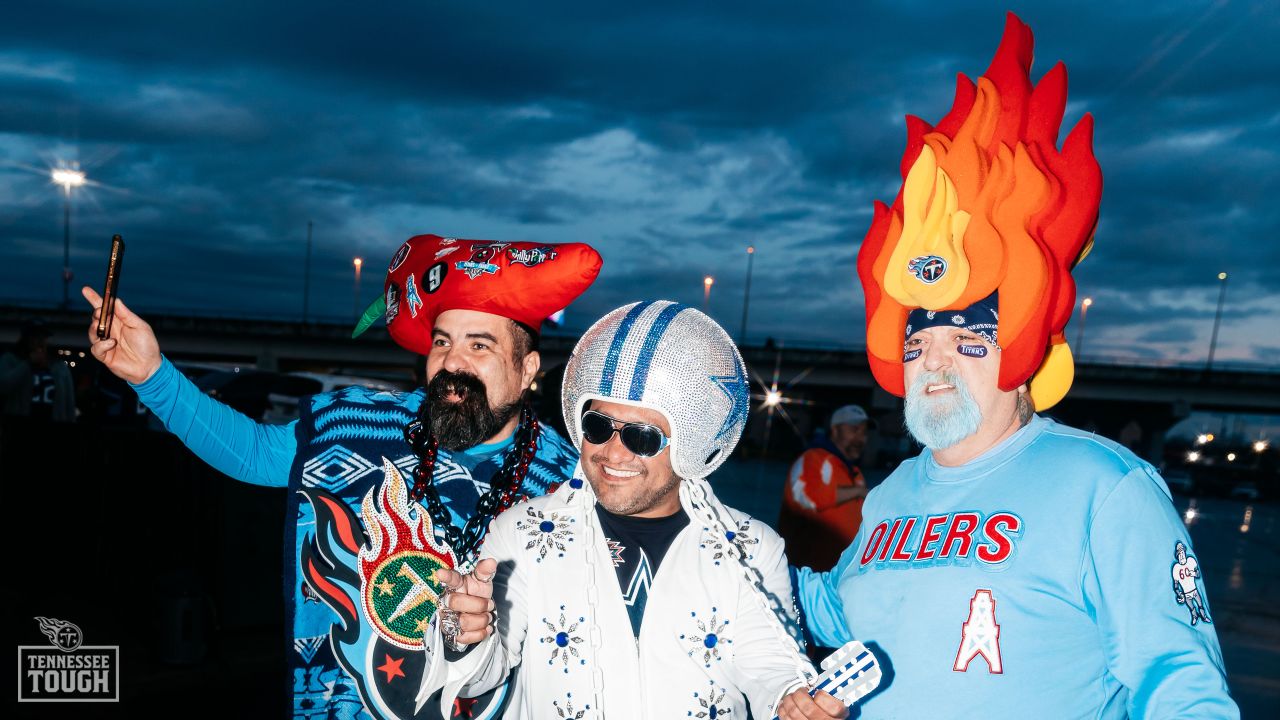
(656, 331)
(615, 347)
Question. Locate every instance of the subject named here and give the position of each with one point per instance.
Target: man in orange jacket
(822, 500)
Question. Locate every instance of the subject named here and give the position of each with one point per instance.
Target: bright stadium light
(68, 179)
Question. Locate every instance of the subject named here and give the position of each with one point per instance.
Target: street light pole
(1084, 313)
(355, 297)
(1217, 318)
(68, 178)
(707, 282)
(66, 249)
(746, 296)
(306, 278)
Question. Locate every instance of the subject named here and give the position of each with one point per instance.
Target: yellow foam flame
(932, 225)
(1053, 379)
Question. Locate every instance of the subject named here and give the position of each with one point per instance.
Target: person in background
(822, 499)
(33, 383)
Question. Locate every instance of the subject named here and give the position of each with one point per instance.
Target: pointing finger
(92, 296)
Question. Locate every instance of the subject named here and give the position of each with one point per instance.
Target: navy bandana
(979, 318)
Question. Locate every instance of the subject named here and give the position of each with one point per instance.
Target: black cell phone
(114, 264)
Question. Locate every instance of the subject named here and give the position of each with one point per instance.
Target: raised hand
(131, 352)
(471, 597)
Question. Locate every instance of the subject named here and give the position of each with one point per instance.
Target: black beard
(469, 421)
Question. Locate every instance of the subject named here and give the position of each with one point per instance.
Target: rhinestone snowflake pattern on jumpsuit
(710, 703)
(563, 638)
(718, 543)
(546, 532)
(711, 635)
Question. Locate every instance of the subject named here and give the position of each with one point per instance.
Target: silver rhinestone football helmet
(671, 358)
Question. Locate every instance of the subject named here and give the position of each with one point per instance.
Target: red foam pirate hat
(524, 281)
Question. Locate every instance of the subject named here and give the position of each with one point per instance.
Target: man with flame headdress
(1017, 567)
(387, 487)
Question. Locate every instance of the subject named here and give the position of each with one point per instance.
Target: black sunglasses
(642, 439)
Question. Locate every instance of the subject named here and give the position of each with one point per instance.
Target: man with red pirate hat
(1016, 567)
(386, 488)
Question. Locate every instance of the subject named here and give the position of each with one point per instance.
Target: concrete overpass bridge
(1105, 396)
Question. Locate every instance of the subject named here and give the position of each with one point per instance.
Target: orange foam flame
(987, 191)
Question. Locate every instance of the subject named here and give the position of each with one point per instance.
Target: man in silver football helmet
(697, 620)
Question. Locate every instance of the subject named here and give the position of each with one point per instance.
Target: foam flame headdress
(988, 203)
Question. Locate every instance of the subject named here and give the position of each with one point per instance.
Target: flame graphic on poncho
(988, 191)
(397, 564)
(388, 564)
(378, 580)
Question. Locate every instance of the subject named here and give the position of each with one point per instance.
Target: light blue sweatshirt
(1039, 580)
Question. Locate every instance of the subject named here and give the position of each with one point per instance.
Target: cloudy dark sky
(668, 135)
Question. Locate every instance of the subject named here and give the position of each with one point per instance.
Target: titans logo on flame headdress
(988, 203)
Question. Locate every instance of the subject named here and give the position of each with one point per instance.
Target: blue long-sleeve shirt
(234, 444)
(1042, 579)
(226, 439)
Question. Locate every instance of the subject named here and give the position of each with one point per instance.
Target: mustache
(936, 377)
(467, 387)
(601, 459)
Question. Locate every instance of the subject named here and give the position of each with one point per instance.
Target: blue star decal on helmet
(736, 389)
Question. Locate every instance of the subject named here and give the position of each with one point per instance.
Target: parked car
(1180, 481)
(282, 404)
(249, 391)
(195, 370)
